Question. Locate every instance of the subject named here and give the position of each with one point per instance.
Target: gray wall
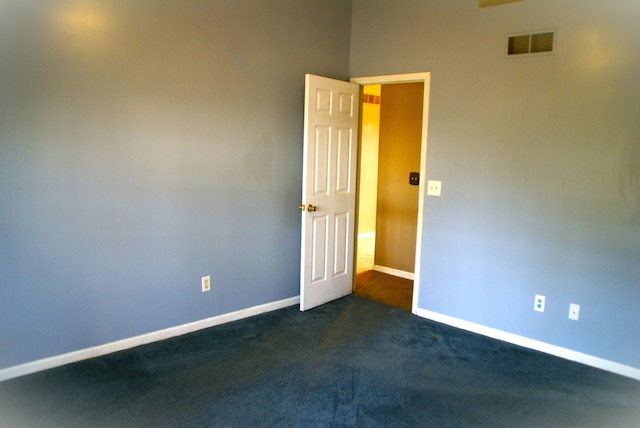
(144, 144)
(539, 162)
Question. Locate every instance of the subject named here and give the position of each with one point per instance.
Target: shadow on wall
(629, 183)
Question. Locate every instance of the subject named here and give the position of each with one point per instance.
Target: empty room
(168, 256)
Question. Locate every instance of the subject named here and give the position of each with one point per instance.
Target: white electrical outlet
(539, 302)
(206, 283)
(574, 311)
(434, 187)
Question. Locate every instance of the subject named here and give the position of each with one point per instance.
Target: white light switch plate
(434, 187)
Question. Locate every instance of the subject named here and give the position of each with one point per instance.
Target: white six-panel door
(328, 190)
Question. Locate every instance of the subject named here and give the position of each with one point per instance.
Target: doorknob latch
(310, 208)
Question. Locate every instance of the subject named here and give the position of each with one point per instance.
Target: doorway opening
(392, 158)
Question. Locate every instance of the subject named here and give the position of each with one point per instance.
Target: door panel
(322, 144)
(328, 190)
(344, 162)
(319, 248)
(340, 264)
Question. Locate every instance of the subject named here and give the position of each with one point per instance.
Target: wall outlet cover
(574, 311)
(539, 302)
(206, 283)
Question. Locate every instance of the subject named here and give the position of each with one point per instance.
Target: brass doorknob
(312, 208)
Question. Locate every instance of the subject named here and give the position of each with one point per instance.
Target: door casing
(424, 77)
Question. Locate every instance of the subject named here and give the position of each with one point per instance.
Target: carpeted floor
(378, 286)
(352, 362)
(388, 289)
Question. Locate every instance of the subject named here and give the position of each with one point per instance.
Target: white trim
(366, 235)
(394, 272)
(108, 348)
(421, 192)
(392, 78)
(537, 345)
(424, 77)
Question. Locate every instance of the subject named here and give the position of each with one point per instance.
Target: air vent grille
(532, 43)
(371, 99)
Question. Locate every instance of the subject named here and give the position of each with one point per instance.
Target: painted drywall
(538, 159)
(144, 144)
(368, 160)
(399, 155)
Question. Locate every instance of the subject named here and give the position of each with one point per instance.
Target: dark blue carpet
(353, 362)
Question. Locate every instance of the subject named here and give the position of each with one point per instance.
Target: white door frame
(410, 78)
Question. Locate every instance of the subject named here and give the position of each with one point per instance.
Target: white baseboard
(108, 348)
(394, 272)
(537, 345)
(96, 351)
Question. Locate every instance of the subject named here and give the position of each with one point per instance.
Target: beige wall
(369, 161)
(399, 154)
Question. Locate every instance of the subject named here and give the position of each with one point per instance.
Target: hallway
(378, 286)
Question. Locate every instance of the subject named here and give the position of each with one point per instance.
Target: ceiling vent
(531, 43)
